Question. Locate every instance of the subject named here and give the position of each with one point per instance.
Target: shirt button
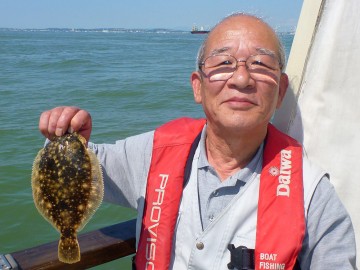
(211, 217)
(199, 245)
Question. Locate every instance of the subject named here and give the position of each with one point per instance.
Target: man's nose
(241, 77)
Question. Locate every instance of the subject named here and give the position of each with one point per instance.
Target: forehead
(242, 33)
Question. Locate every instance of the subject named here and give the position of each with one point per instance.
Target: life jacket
(280, 222)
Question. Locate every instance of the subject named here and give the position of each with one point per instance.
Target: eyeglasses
(221, 67)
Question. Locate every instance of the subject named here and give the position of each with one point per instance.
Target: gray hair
(281, 50)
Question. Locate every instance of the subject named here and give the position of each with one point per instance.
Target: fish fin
(36, 190)
(35, 170)
(69, 250)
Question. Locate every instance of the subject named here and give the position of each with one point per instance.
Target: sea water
(130, 81)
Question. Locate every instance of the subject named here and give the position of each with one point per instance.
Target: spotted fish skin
(68, 188)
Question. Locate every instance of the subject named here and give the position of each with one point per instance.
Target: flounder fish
(68, 188)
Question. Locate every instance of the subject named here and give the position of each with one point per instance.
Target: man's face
(244, 101)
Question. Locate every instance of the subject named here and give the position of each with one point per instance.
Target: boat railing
(97, 247)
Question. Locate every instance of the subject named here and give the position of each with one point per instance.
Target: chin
(243, 124)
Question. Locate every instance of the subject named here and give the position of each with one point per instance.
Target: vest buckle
(241, 258)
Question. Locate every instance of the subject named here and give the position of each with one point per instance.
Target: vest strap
(173, 143)
(281, 224)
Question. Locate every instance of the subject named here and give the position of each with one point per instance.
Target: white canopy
(322, 106)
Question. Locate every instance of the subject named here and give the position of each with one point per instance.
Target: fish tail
(69, 250)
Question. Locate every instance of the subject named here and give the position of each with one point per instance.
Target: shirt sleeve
(329, 240)
(125, 166)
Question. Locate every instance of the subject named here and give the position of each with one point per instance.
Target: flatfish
(68, 188)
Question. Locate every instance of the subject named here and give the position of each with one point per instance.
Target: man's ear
(196, 81)
(283, 86)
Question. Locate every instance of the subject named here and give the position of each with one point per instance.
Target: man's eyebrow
(221, 50)
(266, 51)
(258, 50)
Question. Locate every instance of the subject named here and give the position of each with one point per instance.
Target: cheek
(211, 91)
(271, 92)
(271, 100)
(210, 100)
(268, 96)
(207, 100)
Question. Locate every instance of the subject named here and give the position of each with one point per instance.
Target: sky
(170, 14)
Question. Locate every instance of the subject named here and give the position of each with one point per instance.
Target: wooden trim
(97, 247)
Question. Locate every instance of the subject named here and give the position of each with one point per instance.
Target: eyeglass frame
(201, 64)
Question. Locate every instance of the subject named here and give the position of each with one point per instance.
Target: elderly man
(230, 191)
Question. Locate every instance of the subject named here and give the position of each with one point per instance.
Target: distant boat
(201, 30)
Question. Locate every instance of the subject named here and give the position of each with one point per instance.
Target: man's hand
(58, 121)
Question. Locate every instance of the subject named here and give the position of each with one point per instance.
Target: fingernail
(70, 130)
(59, 132)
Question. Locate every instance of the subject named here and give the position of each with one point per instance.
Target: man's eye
(225, 63)
(259, 64)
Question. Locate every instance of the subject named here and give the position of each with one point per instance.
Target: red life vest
(280, 223)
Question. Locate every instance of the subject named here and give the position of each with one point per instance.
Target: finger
(50, 126)
(81, 123)
(63, 119)
(44, 123)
